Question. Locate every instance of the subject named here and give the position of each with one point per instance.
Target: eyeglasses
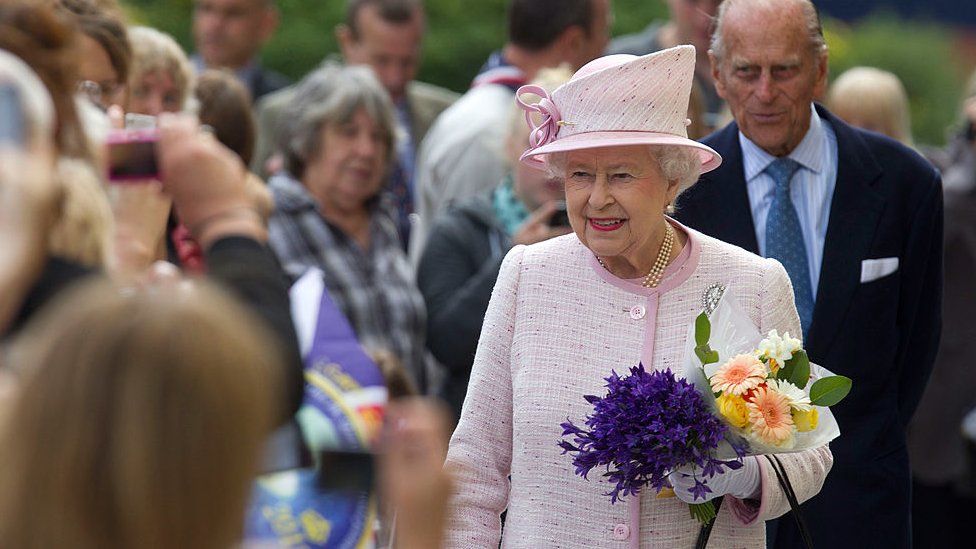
(97, 92)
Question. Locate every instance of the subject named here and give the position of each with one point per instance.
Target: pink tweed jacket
(557, 324)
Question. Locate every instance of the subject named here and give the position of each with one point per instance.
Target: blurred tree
(920, 54)
(461, 33)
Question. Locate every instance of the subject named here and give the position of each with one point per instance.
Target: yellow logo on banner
(316, 527)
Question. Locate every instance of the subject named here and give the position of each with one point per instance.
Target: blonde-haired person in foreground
(138, 421)
(874, 100)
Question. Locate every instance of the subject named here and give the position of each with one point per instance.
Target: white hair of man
(810, 15)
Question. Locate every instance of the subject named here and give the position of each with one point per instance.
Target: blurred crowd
(156, 359)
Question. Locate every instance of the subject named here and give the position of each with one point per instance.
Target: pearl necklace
(654, 276)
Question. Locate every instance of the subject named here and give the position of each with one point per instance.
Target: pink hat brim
(595, 140)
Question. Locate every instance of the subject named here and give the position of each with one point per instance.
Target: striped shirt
(812, 189)
(374, 288)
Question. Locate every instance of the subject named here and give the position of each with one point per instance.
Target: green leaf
(706, 355)
(703, 330)
(702, 512)
(796, 370)
(830, 390)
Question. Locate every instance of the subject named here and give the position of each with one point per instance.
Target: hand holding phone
(560, 218)
(539, 226)
(132, 155)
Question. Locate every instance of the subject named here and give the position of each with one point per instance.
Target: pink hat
(617, 100)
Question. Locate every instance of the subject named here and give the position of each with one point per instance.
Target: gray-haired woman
(336, 139)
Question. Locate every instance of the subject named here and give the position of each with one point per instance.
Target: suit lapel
(854, 214)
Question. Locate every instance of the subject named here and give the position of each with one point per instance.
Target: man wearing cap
(856, 220)
(462, 155)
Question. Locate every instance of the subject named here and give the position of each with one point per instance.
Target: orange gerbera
(738, 375)
(769, 414)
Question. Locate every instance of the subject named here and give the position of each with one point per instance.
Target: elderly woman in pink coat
(622, 289)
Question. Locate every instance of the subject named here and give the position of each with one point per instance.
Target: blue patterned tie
(784, 238)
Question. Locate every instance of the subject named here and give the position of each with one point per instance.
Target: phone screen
(560, 218)
(345, 471)
(132, 155)
(11, 116)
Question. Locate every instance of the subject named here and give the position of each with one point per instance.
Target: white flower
(779, 348)
(796, 396)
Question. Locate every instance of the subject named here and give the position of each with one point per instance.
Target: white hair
(811, 18)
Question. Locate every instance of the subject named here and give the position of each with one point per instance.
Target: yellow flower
(733, 409)
(773, 365)
(805, 421)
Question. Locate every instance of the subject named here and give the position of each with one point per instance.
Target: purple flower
(646, 426)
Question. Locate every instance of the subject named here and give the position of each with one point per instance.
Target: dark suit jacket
(883, 334)
(265, 81)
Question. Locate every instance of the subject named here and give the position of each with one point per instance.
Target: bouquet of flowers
(740, 395)
(648, 425)
(765, 389)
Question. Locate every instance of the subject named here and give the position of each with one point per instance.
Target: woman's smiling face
(616, 198)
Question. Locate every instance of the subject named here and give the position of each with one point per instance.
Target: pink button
(637, 312)
(621, 532)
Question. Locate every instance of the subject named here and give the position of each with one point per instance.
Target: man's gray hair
(331, 94)
(677, 163)
(813, 25)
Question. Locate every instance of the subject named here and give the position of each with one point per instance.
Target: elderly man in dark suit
(856, 220)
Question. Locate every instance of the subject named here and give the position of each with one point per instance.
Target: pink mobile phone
(132, 155)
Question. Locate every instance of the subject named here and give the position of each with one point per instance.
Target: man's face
(769, 75)
(693, 18)
(229, 33)
(391, 49)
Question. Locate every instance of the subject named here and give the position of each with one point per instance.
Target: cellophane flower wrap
(647, 425)
(765, 389)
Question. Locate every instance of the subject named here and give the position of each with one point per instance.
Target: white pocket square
(873, 269)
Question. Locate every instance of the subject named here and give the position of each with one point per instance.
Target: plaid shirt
(374, 288)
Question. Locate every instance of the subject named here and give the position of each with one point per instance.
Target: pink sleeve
(480, 454)
(806, 470)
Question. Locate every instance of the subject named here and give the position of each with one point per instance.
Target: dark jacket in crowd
(265, 81)
(242, 266)
(456, 274)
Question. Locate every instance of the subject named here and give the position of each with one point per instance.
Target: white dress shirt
(812, 188)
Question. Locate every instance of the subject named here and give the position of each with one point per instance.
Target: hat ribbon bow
(545, 132)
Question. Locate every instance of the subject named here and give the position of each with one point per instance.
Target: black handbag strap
(784, 481)
(706, 529)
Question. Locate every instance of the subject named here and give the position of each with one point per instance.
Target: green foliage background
(463, 32)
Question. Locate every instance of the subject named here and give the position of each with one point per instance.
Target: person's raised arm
(208, 184)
